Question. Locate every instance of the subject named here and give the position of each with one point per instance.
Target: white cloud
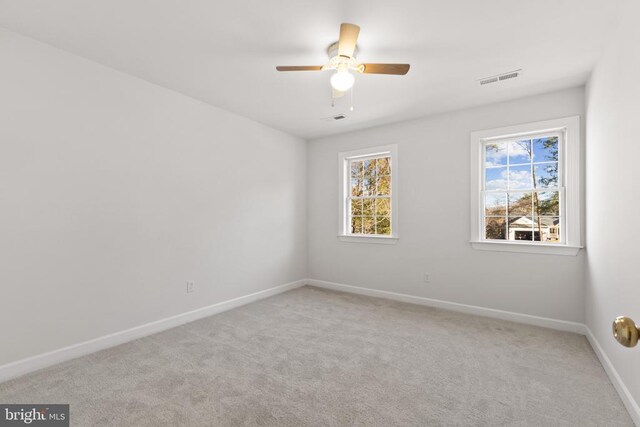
(519, 174)
(520, 179)
(496, 184)
(495, 154)
(518, 149)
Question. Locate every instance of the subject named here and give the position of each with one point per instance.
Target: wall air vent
(500, 77)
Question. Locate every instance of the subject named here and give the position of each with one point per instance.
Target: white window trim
(570, 127)
(343, 191)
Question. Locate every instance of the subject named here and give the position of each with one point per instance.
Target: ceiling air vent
(500, 77)
(489, 80)
(336, 117)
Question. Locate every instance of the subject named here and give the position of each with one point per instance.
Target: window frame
(344, 184)
(569, 185)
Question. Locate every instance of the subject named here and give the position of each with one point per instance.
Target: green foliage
(552, 169)
(496, 228)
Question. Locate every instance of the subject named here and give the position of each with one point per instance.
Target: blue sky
(496, 153)
(519, 175)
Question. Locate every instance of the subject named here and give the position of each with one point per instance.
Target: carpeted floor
(317, 357)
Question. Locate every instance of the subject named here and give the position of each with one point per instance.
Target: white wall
(434, 218)
(613, 196)
(114, 192)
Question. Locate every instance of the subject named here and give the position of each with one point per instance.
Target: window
(525, 188)
(521, 188)
(368, 202)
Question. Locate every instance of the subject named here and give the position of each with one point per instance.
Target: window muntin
(368, 201)
(522, 189)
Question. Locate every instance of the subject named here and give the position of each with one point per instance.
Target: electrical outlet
(190, 287)
(427, 277)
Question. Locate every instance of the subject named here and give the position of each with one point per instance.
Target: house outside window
(368, 195)
(525, 188)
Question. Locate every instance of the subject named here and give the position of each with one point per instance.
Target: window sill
(539, 248)
(385, 240)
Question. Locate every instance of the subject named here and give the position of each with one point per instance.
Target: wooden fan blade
(348, 39)
(397, 69)
(300, 68)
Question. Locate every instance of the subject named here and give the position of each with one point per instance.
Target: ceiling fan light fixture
(342, 80)
(342, 58)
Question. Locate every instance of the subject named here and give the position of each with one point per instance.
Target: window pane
(356, 225)
(547, 203)
(369, 167)
(383, 206)
(383, 225)
(520, 177)
(368, 206)
(356, 187)
(550, 227)
(356, 169)
(495, 154)
(496, 228)
(520, 152)
(520, 228)
(495, 179)
(384, 185)
(545, 149)
(384, 166)
(369, 177)
(356, 207)
(369, 187)
(368, 225)
(546, 175)
(495, 204)
(520, 204)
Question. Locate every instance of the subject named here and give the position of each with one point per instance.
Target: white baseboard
(24, 366)
(561, 325)
(616, 380)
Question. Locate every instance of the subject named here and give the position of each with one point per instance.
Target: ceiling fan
(342, 59)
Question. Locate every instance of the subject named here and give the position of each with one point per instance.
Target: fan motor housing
(332, 50)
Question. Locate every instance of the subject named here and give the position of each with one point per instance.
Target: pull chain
(351, 108)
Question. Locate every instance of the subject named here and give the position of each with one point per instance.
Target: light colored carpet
(317, 357)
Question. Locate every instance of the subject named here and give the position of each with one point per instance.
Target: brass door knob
(625, 331)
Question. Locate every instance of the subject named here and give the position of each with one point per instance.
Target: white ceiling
(225, 52)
